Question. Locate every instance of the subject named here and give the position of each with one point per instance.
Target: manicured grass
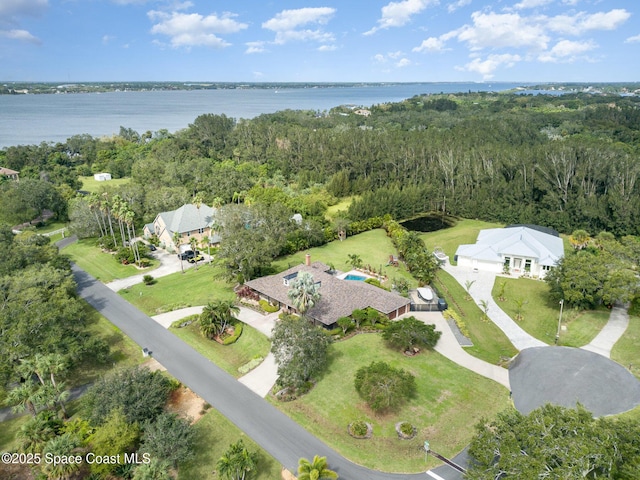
(627, 350)
(374, 248)
(124, 352)
(341, 206)
(8, 431)
(102, 265)
(214, 435)
(449, 401)
(541, 313)
(489, 342)
(582, 327)
(178, 290)
(89, 184)
(465, 231)
(250, 345)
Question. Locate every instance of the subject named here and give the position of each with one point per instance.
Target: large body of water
(32, 119)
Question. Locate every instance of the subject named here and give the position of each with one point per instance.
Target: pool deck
(356, 273)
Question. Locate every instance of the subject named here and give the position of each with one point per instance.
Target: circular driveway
(565, 376)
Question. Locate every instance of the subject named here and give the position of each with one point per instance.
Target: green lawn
(449, 402)
(541, 313)
(627, 350)
(374, 247)
(449, 239)
(102, 265)
(250, 345)
(489, 342)
(8, 431)
(91, 185)
(214, 434)
(341, 206)
(178, 290)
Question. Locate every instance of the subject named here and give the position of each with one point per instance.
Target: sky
(320, 41)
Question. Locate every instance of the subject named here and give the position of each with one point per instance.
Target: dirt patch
(153, 365)
(287, 475)
(186, 404)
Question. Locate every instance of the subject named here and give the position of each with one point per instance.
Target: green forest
(566, 162)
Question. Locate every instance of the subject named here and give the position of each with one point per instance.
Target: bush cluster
(237, 331)
(451, 314)
(267, 307)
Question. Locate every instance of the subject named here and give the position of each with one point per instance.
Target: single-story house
(338, 298)
(188, 221)
(10, 174)
(101, 177)
(519, 250)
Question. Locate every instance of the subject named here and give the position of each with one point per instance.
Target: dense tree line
(566, 161)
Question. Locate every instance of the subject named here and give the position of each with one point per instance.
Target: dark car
(188, 254)
(442, 304)
(152, 247)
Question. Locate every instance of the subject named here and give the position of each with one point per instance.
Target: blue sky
(321, 41)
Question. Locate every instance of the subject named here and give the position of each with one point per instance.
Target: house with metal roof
(338, 297)
(520, 250)
(188, 221)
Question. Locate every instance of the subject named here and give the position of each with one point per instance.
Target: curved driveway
(280, 436)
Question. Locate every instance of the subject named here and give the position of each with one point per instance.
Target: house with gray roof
(188, 221)
(520, 250)
(338, 298)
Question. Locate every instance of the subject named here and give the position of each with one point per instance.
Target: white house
(187, 221)
(102, 177)
(519, 250)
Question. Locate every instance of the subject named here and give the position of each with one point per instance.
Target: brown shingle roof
(338, 297)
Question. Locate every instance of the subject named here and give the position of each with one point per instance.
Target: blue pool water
(355, 277)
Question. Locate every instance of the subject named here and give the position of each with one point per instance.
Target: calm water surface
(31, 119)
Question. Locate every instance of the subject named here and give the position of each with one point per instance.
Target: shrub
(451, 314)
(250, 365)
(359, 428)
(236, 335)
(376, 283)
(267, 307)
(634, 309)
(409, 333)
(148, 280)
(248, 293)
(383, 386)
(406, 428)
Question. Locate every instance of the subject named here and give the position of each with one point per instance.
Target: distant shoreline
(38, 88)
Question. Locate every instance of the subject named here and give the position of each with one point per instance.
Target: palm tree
(36, 432)
(315, 470)
(206, 242)
(237, 462)
(23, 398)
(177, 241)
(304, 292)
(193, 241)
(485, 308)
(216, 317)
(467, 286)
(61, 445)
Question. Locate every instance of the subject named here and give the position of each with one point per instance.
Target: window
(546, 268)
(507, 262)
(201, 231)
(527, 265)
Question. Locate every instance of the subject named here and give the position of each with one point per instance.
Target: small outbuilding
(102, 177)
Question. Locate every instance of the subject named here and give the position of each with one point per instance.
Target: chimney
(307, 260)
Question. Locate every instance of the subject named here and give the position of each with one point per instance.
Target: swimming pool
(359, 278)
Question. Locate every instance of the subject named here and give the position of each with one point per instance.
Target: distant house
(363, 112)
(102, 177)
(10, 174)
(518, 250)
(188, 221)
(339, 298)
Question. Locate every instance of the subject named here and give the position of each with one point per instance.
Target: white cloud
(531, 4)
(106, 39)
(403, 62)
(583, 22)
(453, 6)
(193, 29)
(327, 48)
(255, 47)
(431, 44)
(634, 39)
(508, 30)
(287, 26)
(20, 35)
(491, 64)
(288, 20)
(566, 50)
(397, 14)
(379, 58)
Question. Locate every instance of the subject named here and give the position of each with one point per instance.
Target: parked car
(195, 259)
(187, 254)
(442, 304)
(152, 247)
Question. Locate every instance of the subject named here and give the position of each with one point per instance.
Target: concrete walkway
(262, 378)
(449, 347)
(611, 333)
(481, 290)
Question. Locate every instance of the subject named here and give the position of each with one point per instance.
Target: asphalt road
(280, 436)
